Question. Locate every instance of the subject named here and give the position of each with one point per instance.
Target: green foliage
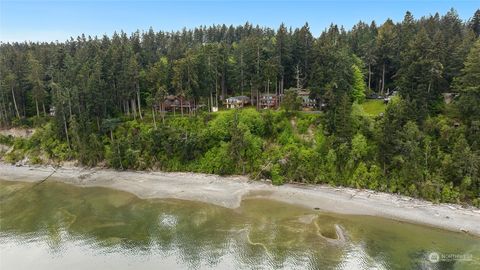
(435, 162)
(217, 160)
(104, 94)
(421, 77)
(359, 147)
(306, 122)
(468, 84)
(53, 147)
(276, 174)
(359, 86)
(14, 156)
(6, 139)
(291, 101)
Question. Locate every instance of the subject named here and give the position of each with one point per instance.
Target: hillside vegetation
(274, 145)
(96, 101)
(374, 107)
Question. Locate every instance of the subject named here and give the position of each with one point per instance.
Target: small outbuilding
(268, 101)
(237, 102)
(307, 102)
(172, 103)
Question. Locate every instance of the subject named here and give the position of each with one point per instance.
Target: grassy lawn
(374, 107)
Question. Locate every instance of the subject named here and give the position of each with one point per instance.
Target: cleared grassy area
(374, 107)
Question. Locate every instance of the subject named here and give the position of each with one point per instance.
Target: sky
(41, 20)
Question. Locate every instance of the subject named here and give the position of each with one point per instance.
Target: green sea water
(58, 226)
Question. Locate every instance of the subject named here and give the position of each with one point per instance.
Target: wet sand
(229, 192)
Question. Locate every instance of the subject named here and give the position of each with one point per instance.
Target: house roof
(238, 98)
(303, 92)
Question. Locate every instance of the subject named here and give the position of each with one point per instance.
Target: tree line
(102, 77)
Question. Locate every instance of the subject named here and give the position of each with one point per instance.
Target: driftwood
(45, 179)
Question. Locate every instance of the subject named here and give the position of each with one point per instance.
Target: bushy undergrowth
(435, 164)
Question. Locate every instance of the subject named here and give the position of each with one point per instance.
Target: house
(389, 97)
(307, 102)
(174, 103)
(237, 102)
(268, 101)
(374, 96)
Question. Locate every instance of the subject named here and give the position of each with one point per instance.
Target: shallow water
(59, 226)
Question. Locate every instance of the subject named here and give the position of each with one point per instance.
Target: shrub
(276, 174)
(6, 139)
(217, 160)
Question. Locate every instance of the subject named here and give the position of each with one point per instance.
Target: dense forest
(95, 100)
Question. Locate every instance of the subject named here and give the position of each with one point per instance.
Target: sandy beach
(230, 191)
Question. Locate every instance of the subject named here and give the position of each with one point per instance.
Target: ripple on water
(61, 226)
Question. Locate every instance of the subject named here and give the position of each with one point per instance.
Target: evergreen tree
(302, 55)
(387, 48)
(418, 146)
(291, 102)
(283, 54)
(359, 87)
(420, 77)
(468, 85)
(332, 81)
(475, 23)
(35, 77)
(362, 40)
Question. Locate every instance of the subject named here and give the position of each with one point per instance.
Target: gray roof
(238, 98)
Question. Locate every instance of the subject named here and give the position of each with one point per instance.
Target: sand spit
(229, 192)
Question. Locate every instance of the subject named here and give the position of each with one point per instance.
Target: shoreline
(229, 192)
